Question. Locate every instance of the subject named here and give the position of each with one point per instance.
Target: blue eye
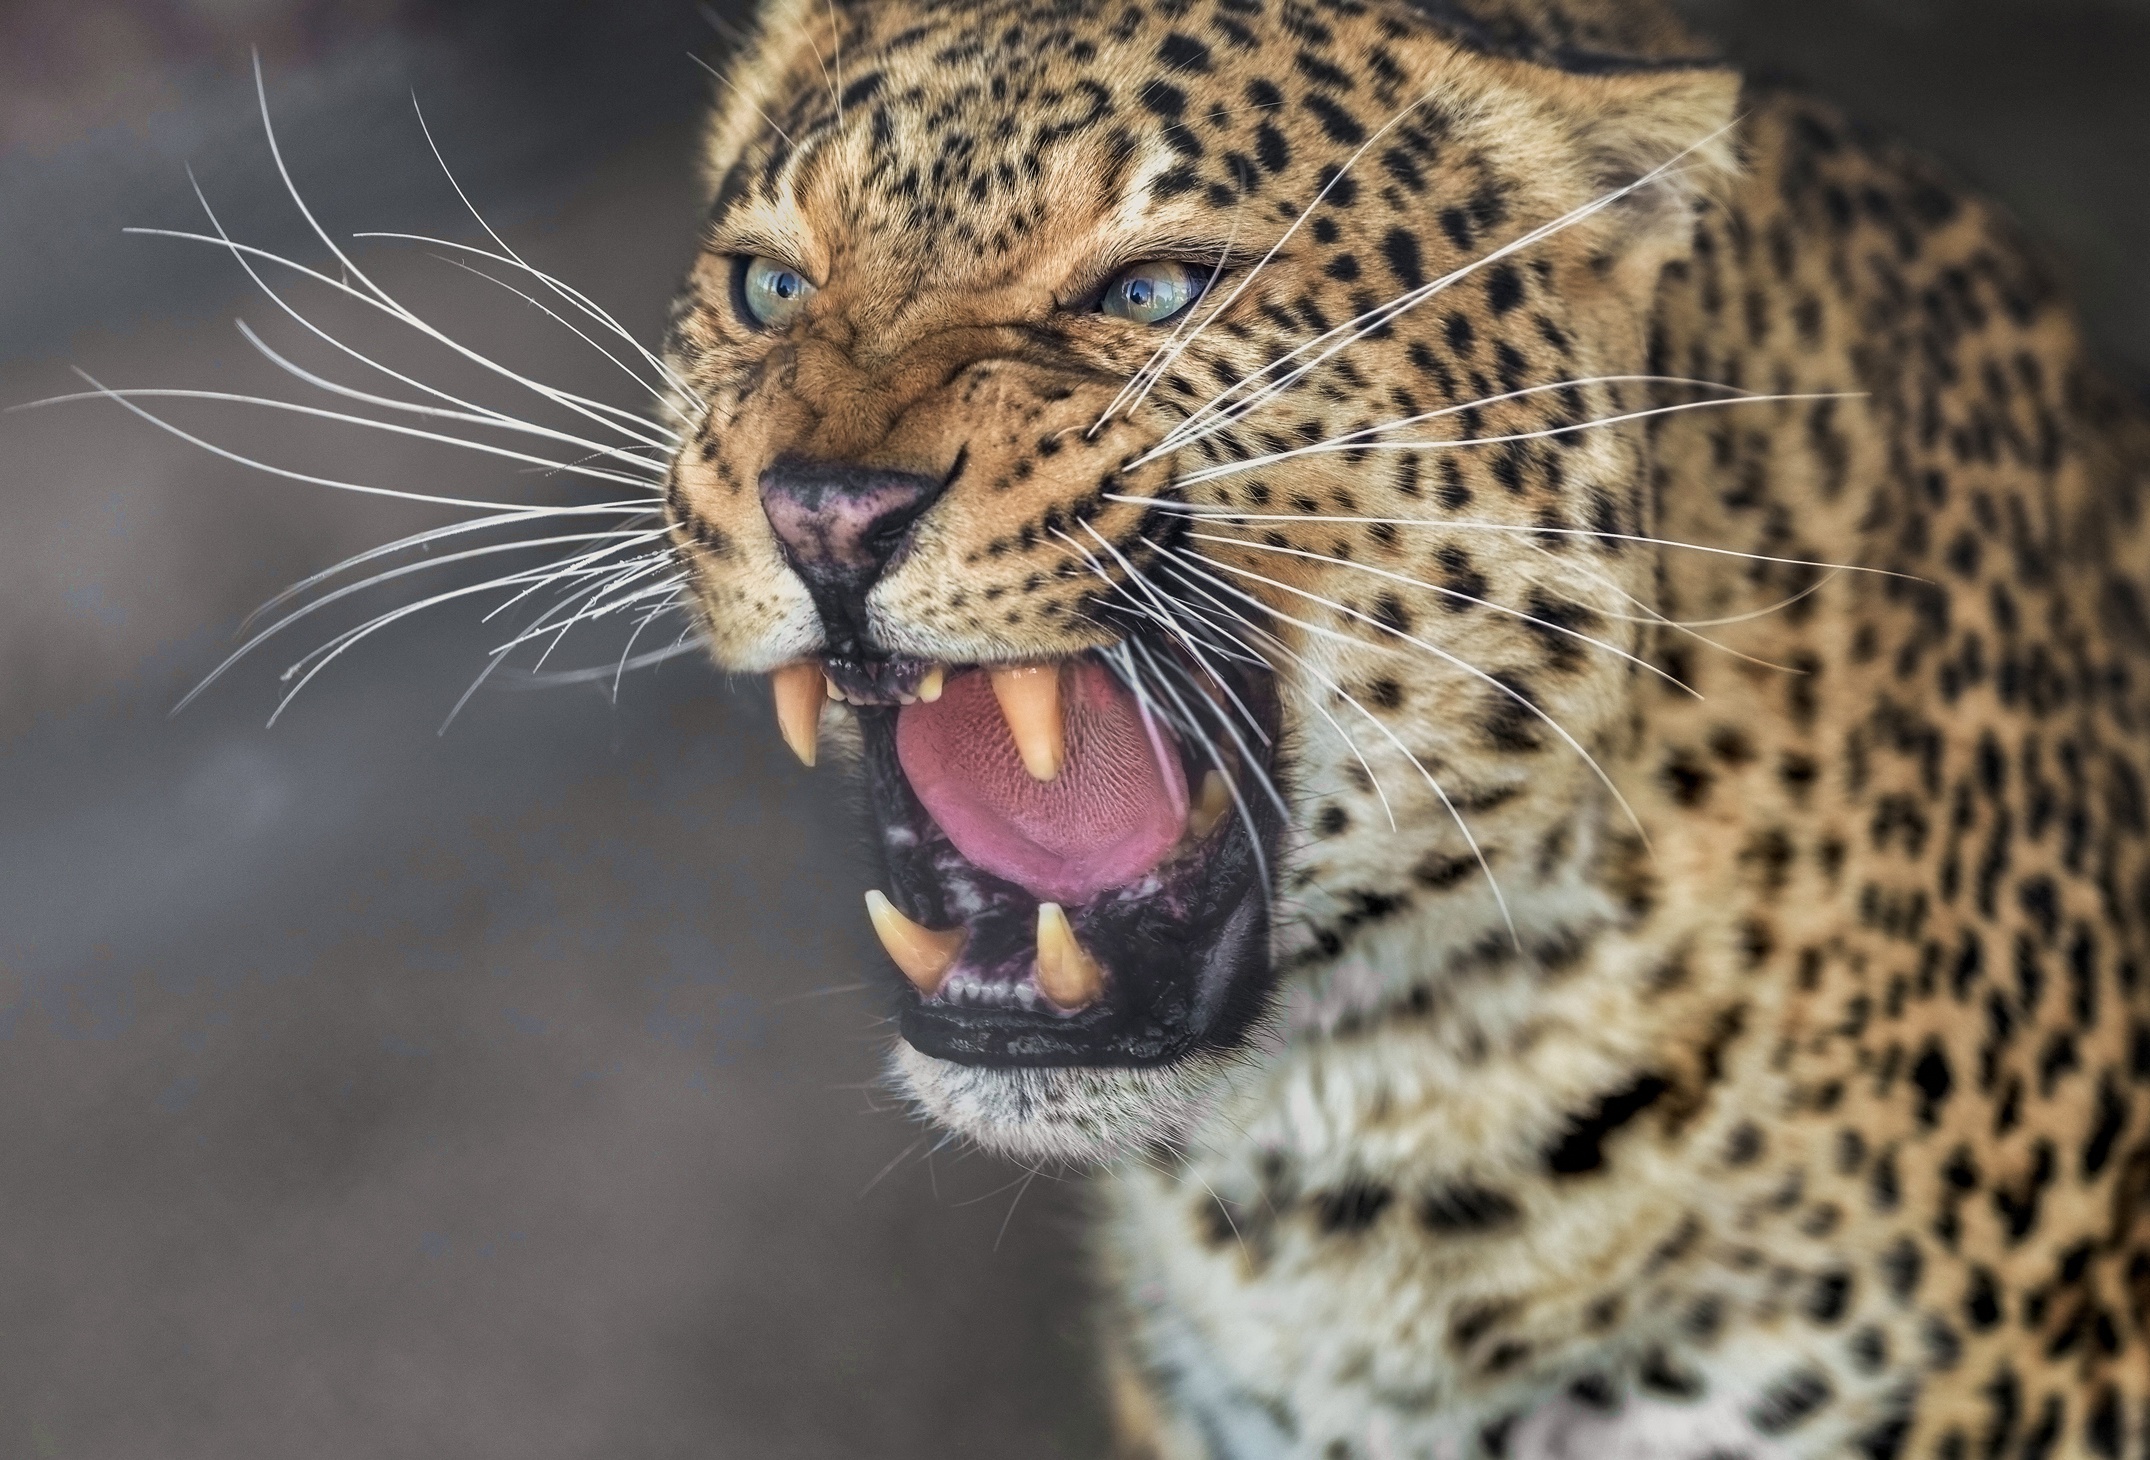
(774, 292)
(1153, 292)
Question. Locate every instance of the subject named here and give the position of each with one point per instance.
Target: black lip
(1187, 949)
(875, 679)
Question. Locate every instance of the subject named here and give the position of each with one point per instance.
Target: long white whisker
(1655, 618)
(579, 588)
(1284, 238)
(1452, 593)
(298, 476)
(581, 566)
(500, 655)
(349, 589)
(1686, 628)
(1473, 525)
(328, 653)
(822, 61)
(420, 539)
(1247, 756)
(605, 671)
(608, 606)
(1145, 379)
(1165, 616)
(491, 419)
(1434, 649)
(1455, 813)
(725, 80)
(538, 576)
(644, 622)
(1306, 666)
(572, 295)
(555, 316)
(1162, 614)
(1349, 443)
(243, 254)
(1525, 392)
(388, 301)
(1355, 329)
(1647, 614)
(1691, 624)
(723, 27)
(322, 413)
(613, 418)
(592, 598)
(1216, 758)
(605, 606)
(1380, 793)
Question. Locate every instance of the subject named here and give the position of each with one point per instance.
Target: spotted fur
(1736, 1041)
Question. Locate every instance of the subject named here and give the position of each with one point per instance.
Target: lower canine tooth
(929, 688)
(1068, 975)
(798, 708)
(1029, 696)
(1209, 807)
(924, 955)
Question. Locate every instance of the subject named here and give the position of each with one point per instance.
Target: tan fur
(1803, 1111)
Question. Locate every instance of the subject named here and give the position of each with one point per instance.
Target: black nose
(841, 526)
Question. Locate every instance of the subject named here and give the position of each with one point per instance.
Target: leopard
(1500, 674)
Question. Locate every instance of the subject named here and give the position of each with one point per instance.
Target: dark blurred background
(368, 1092)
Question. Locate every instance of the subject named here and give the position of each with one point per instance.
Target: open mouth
(1077, 861)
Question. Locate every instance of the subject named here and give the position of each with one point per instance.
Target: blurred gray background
(366, 1091)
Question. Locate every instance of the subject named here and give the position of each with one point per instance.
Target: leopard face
(1201, 449)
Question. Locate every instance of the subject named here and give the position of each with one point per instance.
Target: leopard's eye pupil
(1140, 292)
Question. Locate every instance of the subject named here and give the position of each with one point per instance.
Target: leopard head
(1189, 457)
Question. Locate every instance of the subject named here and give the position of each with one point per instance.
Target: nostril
(843, 522)
(886, 537)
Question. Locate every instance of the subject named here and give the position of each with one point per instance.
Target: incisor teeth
(929, 688)
(798, 708)
(1029, 696)
(924, 955)
(1067, 975)
(1209, 807)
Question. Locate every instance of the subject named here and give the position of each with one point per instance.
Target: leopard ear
(1632, 123)
(1660, 138)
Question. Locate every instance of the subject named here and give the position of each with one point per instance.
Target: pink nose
(840, 527)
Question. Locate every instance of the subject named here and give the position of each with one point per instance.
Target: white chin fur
(1077, 1117)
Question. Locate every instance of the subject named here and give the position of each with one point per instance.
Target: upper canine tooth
(798, 708)
(1210, 806)
(1067, 974)
(929, 688)
(1029, 696)
(924, 955)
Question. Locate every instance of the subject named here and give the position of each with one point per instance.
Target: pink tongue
(1116, 808)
